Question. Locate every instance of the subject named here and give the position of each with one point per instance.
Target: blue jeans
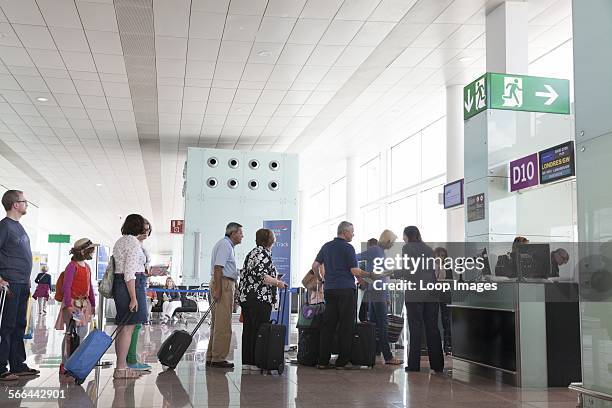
(378, 314)
(12, 328)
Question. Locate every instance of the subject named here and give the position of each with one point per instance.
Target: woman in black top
(42, 290)
(422, 306)
(257, 293)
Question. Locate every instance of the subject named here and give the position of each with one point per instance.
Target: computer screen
(453, 194)
(534, 261)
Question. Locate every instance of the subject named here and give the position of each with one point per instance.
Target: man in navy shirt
(340, 261)
(15, 270)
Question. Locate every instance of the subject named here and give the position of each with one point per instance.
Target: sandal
(125, 374)
(394, 361)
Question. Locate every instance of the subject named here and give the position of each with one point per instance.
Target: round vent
(274, 165)
(273, 185)
(233, 163)
(232, 183)
(253, 184)
(212, 182)
(213, 162)
(253, 164)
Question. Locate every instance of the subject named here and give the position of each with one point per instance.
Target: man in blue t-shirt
(340, 261)
(15, 270)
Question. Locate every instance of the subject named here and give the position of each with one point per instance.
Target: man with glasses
(558, 257)
(15, 270)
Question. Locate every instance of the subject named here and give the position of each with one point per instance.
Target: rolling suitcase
(175, 346)
(270, 343)
(308, 347)
(396, 325)
(363, 349)
(90, 351)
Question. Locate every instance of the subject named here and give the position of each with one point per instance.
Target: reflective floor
(193, 384)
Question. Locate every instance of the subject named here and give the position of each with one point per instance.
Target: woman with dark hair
(129, 289)
(421, 306)
(132, 358)
(79, 301)
(257, 293)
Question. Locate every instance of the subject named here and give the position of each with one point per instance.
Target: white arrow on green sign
(516, 92)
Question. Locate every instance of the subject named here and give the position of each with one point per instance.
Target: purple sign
(523, 172)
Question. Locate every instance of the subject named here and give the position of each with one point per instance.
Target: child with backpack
(75, 293)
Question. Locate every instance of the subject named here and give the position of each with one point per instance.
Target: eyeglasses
(23, 201)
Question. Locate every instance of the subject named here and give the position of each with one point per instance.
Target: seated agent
(558, 257)
(506, 264)
(340, 271)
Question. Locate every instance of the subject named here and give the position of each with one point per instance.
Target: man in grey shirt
(15, 270)
(224, 275)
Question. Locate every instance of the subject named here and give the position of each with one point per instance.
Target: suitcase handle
(281, 304)
(195, 330)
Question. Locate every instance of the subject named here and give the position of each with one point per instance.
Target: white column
(352, 195)
(455, 218)
(507, 38)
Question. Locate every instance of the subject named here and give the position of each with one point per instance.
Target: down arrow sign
(551, 95)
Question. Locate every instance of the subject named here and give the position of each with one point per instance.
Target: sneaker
(8, 377)
(140, 367)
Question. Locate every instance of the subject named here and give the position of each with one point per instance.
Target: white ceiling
(299, 75)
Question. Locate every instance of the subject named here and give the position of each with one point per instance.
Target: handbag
(105, 287)
(311, 316)
(310, 281)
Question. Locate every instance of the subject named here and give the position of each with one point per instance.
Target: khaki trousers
(221, 327)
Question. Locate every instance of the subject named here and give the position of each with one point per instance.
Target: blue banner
(102, 258)
(281, 256)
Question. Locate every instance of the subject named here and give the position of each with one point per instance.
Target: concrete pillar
(352, 196)
(455, 219)
(507, 38)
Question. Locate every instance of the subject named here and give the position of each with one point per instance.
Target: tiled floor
(192, 384)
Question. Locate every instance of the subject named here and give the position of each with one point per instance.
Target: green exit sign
(516, 92)
(59, 239)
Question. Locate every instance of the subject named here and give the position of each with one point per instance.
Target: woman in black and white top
(257, 293)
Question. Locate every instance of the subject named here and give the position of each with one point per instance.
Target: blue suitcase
(89, 352)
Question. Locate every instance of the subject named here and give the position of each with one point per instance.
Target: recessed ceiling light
(239, 110)
(41, 99)
(465, 59)
(263, 53)
(241, 28)
(98, 185)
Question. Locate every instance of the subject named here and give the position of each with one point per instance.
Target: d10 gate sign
(524, 172)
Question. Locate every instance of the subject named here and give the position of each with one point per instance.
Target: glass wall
(398, 186)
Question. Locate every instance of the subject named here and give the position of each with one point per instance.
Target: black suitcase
(175, 346)
(308, 347)
(270, 344)
(363, 349)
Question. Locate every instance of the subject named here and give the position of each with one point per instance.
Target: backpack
(59, 288)
(59, 285)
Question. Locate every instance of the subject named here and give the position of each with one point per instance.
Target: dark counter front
(484, 336)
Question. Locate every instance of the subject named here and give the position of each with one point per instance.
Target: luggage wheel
(281, 368)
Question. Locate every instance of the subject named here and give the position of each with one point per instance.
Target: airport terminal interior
(304, 203)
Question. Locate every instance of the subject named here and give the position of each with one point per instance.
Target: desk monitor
(534, 261)
(453, 194)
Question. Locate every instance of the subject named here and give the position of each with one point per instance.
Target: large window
(370, 176)
(337, 198)
(433, 216)
(402, 213)
(434, 149)
(406, 163)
